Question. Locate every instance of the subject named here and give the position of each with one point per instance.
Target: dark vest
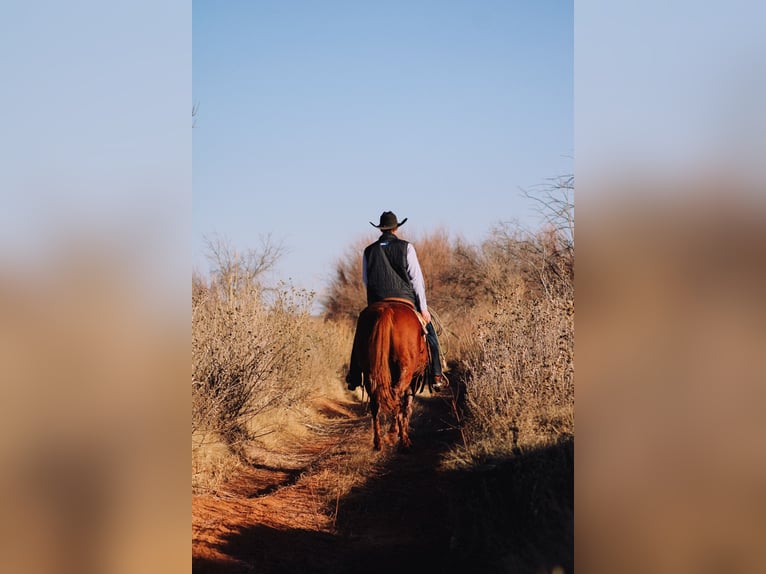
(387, 270)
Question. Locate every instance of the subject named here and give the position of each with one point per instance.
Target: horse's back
(403, 314)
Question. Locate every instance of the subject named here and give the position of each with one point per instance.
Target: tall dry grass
(247, 355)
(522, 389)
(520, 355)
(258, 358)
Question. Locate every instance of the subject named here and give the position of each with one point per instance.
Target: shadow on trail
(513, 515)
(400, 518)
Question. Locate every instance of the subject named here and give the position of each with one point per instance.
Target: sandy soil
(393, 517)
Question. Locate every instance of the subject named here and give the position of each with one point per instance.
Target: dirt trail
(394, 519)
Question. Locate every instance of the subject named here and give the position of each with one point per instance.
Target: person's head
(389, 223)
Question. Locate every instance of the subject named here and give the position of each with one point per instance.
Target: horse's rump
(392, 355)
(390, 343)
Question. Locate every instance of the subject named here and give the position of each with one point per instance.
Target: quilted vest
(387, 270)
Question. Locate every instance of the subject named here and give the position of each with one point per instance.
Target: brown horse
(392, 353)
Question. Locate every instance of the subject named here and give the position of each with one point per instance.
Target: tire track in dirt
(395, 515)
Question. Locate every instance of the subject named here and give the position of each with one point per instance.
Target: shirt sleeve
(416, 276)
(364, 269)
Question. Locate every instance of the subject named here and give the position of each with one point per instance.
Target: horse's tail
(381, 385)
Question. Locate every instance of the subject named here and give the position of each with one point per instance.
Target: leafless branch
(233, 267)
(555, 202)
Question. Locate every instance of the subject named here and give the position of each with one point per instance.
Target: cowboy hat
(388, 220)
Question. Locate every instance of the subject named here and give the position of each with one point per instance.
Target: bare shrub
(521, 353)
(542, 261)
(246, 356)
(435, 255)
(258, 359)
(246, 342)
(522, 388)
(346, 295)
(555, 202)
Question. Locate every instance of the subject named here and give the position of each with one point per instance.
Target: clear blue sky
(314, 117)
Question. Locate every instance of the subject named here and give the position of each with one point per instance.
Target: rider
(390, 268)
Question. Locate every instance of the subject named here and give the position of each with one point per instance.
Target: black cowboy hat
(388, 221)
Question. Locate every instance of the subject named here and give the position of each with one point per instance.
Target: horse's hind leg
(393, 430)
(403, 419)
(375, 408)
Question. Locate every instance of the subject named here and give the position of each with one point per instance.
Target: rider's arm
(416, 278)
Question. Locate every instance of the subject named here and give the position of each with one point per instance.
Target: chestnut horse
(393, 355)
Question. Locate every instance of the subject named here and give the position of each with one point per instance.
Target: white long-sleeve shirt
(413, 272)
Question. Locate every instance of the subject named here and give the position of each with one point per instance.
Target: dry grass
(247, 355)
(521, 391)
(259, 359)
(212, 464)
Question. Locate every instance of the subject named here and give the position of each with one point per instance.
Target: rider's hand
(426, 315)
